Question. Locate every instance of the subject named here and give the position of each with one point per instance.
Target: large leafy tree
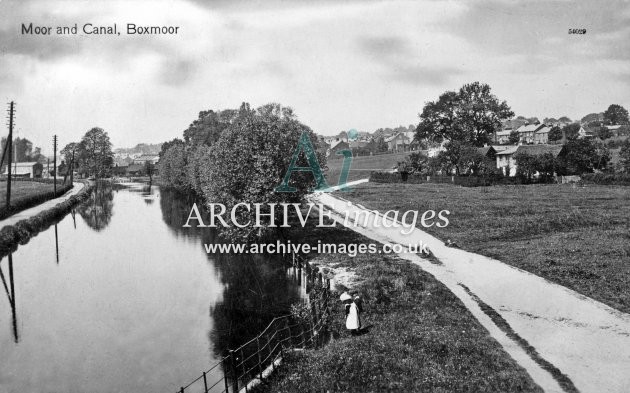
(250, 159)
(616, 114)
(555, 134)
(572, 131)
(583, 156)
(95, 153)
(470, 115)
(172, 166)
(207, 128)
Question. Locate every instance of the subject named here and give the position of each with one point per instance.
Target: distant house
(503, 137)
(338, 146)
(527, 132)
(586, 132)
(398, 142)
(488, 152)
(541, 136)
(153, 159)
(25, 169)
(506, 158)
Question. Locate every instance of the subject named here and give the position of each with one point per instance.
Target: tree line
(239, 155)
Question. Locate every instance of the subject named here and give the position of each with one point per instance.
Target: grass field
(23, 189)
(362, 166)
(577, 237)
(22, 194)
(420, 337)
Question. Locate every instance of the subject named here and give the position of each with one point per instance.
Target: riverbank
(418, 336)
(20, 227)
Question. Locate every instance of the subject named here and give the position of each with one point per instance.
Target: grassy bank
(419, 336)
(577, 237)
(23, 230)
(361, 167)
(26, 194)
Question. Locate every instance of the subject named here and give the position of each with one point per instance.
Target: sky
(356, 64)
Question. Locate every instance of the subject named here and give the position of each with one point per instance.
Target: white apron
(352, 320)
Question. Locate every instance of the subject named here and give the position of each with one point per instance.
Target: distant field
(362, 166)
(577, 237)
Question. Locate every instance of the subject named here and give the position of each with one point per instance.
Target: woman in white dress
(353, 311)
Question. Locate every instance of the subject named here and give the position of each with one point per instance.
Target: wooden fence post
(234, 372)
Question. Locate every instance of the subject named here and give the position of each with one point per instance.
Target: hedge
(24, 230)
(26, 202)
(620, 179)
(465, 181)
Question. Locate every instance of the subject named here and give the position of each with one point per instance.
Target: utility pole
(72, 167)
(9, 147)
(55, 164)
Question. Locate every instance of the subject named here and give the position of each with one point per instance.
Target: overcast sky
(359, 64)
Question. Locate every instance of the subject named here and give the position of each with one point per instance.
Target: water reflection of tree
(97, 211)
(257, 290)
(256, 287)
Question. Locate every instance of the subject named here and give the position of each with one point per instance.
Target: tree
(250, 159)
(68, 154)
(564, 119)
(95, 152)
(514, 137)
(604, 133)
(546, 166)
(583, 156)
(470, 160)
(418, 162)
(572, 131)
(592, 117)
(167, 145)
(149, 170)
(555, 134)
(624, 155)
(471, 116)
(616, 114)
(172, 167)
(526, 166)
(207, 128)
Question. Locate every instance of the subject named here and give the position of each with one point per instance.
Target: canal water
(118, 297)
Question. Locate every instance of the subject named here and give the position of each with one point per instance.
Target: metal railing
(257, 358)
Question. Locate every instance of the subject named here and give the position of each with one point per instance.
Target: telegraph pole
(9, 147)
(55, 164)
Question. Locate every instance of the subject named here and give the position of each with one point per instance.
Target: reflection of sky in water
(134, 304)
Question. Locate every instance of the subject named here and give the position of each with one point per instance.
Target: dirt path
(566, 341)
(24, 214)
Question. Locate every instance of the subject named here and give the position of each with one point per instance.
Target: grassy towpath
(420, 337)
